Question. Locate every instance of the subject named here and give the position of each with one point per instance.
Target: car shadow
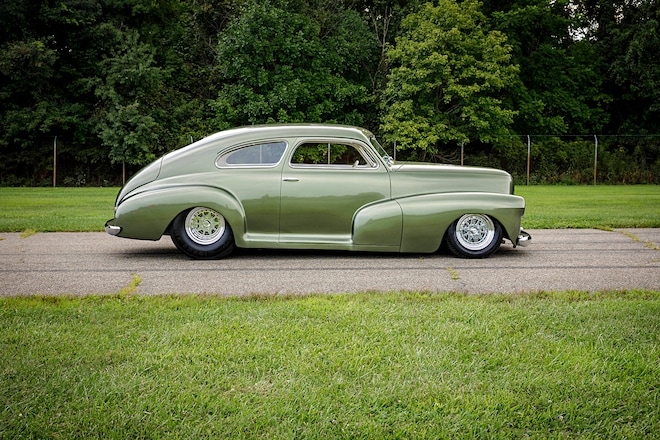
(170, 252)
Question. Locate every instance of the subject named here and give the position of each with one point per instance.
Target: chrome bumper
(112, 229)
(523, 238)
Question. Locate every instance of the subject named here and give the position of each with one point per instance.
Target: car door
(324, 182)
(251, 173)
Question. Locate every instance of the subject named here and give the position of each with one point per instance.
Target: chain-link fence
(569, 159)
(531, 159)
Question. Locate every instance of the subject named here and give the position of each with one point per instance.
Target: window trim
(362, 149)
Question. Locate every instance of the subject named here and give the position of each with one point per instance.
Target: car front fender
(426, 218)
(378, 225)
(148, 214)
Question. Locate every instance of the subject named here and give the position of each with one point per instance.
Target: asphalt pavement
(96, 263)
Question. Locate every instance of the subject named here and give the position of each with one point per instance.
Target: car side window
(328, 154)
(266, 154)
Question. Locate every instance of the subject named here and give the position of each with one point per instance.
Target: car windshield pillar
(387, 159)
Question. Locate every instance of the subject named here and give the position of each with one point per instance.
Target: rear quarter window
(256, 155)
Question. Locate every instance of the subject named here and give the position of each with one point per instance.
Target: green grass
(548, 207)
(56, 209)
(553, 207)
(391, 365)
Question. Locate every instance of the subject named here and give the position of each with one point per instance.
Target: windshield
(381, 151)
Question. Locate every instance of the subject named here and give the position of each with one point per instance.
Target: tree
(627, 36)
(76, 69)
(559, 88)
(448, 75)
(36, 103)
(280, 62)
(129, 81)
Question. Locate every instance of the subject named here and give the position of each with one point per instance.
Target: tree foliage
(123, 81)
(559, 90)
(282, 66)
(128, 83)
(447, 75)
(627, 35)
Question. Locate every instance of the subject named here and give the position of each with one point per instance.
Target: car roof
(288, 130)
(268, 132)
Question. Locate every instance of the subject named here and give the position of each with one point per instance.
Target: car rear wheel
(474, 236)
(202, 233)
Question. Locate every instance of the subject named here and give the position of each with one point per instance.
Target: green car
(314, 186)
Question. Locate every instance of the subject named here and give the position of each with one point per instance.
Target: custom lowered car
(310, 186)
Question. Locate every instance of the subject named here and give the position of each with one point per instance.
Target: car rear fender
(426, 218)
(148, 215)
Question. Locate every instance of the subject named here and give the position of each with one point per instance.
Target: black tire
(474, 236)
(202, 234)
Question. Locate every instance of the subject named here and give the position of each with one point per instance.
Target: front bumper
(112, 229)
(523, 238)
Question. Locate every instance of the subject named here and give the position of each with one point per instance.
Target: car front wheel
(202, 233)
(474, 236)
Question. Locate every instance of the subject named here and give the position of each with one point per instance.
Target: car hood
(409, 178)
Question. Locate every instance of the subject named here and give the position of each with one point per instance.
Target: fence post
(595, 158)
(55, 162)
(462, 151)
(529, 155)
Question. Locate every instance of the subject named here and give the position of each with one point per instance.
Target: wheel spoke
(475, 231)
(204, 226)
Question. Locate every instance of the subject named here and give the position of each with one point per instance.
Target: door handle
(290, 179)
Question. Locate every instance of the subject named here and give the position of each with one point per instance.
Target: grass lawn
(400, 365)
(55, 209)
(548, 207)
(381, 365)
(554, 207)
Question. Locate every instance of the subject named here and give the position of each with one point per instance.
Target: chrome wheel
(474, 236)
(475, 231)
(204, 226)
(202, 233)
